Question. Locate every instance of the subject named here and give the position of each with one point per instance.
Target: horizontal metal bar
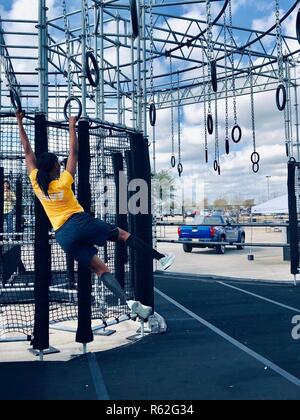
(260, 225)
(248, 245)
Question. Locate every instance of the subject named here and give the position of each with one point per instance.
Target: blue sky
(237, 178)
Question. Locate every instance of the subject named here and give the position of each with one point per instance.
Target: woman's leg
(139, 245)
(102, 271)
(98, 267)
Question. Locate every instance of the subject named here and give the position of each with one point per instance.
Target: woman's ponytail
(45, 165)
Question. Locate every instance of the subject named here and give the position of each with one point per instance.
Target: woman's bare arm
(29, 155)
(74, 148)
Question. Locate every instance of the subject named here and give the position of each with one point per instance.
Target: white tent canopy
(278, 205)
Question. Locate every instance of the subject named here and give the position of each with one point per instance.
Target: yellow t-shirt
(62, 203)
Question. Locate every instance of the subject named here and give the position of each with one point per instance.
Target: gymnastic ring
(255, 168)
(206, 156)
(235, 129)
(134, 19)
(292, 160)
(15, 99)
(281, 105)
(173, 161)
(180, 169)
(73, 99)
(214, 78)
(255, 158)
(95, 77)
(152, 114)
(210, 124)
(219, 170)
(227, 147)
(216, 165)
(298, 26)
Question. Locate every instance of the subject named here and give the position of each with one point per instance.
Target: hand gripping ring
(72, 99)
(255, 168)
(152, 114)
(255, 158)
(236, 129)
(281, 101)
(173, 161)
(15, 99)
(180, 169)
(210, 124)
(94, 74)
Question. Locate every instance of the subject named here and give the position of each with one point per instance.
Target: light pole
(268, 180)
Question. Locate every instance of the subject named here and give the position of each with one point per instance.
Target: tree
(220, 203)
(249, 203)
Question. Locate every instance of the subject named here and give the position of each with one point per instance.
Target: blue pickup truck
(215, 228)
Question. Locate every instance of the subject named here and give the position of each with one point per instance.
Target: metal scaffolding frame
(54, 51)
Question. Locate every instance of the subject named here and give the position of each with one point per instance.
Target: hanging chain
(279, 43)
(210, 51)
(179, 123)
(232, 63)
(87, 25)
(217, 148)
(204, 106)
(252, 103)
(255, 157)
(151, 49)
(226, 83)
(68, 50)
(172, 110)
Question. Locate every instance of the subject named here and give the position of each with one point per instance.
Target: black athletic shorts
(79, 235)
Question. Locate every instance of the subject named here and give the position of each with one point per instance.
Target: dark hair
(45, 164)
(6, 181)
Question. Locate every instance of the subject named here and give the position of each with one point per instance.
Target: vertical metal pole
(289, 105)
(97, 93)
(43, 57)
(134, 123)
(144, 104)
(83, 53)
(297, 115)
(139, 81)
(287, 115)
(102, 96)
(119, 96)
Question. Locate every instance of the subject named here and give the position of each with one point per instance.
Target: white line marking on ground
(274, 302)
(98, 380)
(258, 357)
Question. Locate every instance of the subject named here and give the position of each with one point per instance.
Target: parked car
(214, 228)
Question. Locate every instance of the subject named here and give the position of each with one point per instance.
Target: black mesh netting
(17, 244)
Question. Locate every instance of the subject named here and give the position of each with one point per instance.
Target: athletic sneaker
(138, 309)
(167, 261)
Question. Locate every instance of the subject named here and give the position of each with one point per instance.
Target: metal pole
(287, 115)
(134, 122)
(139, 81)
(102, 99)
(97, 93)
(83, 52)
(144, 104)
(119, 96)
(43, 57)
(297, 115)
